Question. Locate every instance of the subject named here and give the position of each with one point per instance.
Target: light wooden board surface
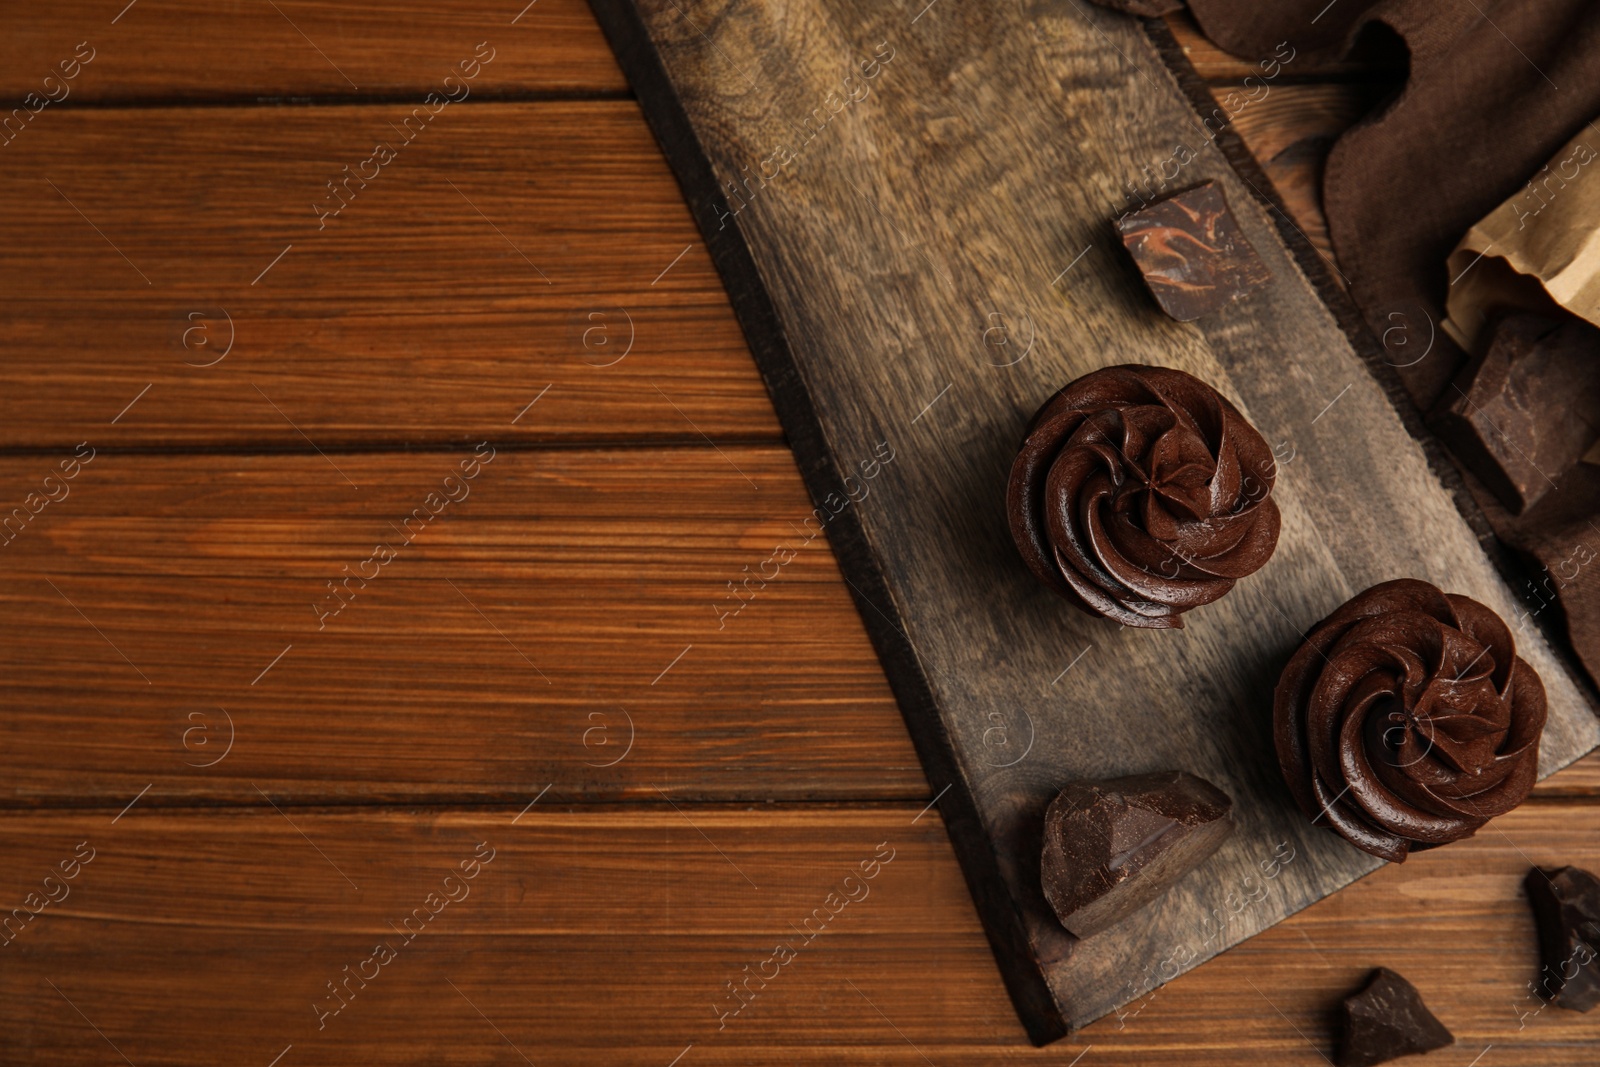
(871, 258)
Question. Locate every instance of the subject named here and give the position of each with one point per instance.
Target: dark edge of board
(668, 120)
(1342, 306)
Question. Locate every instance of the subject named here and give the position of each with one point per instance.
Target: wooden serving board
(911, 207)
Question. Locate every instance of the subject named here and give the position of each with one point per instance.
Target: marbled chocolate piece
(1528, 408)
(1113, 846)
(1566, 905)
(1387, 1020)
(1192, 253)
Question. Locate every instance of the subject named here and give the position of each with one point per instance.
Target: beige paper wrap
(1539, 249)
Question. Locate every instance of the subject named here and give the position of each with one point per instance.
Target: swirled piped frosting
(1140, 493)
(1406, 720)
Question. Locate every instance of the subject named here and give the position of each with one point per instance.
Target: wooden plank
(599, 566)
(508, 249)
(1303, 120)
(194, 51)
(521, 638)
(869, 268)
(1581, 779)
(210, 938)
(1209, 61)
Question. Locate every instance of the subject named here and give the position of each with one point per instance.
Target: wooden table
(370, 689)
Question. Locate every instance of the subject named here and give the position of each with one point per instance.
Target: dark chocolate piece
(1407, 720)
(1140, 493)
(1192, 253)
(1566, 583)
(1566, 905)
(1387, 1020)
(1528, 408)
(1113, 846)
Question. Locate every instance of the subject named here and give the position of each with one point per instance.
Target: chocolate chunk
(1527, 408)
(1113, 846)
(1566, 905)
(1192, 253)
(1387, 1020)
(1566, 584)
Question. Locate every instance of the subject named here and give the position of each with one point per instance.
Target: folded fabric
(1493, 91)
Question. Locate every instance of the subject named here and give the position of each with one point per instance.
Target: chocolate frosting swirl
(1407, 720)
(1141, 492)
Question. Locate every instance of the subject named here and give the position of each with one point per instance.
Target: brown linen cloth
(1494, 90)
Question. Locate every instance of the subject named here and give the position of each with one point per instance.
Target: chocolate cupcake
(1407, 720)
(1141, 492)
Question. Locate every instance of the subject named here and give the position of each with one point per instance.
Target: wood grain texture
(521, 638)
(506, 249)
(203, 936)
(195, 51)
(582, 917)
(1018, 142)
(1209, 61)
(598, 566)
